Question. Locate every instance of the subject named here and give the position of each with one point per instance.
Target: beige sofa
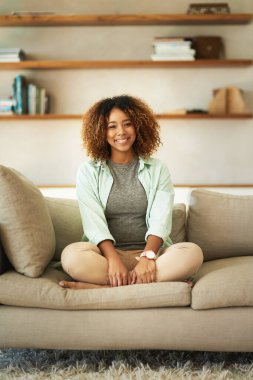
(35, 312)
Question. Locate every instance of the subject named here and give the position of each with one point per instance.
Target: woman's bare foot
(80, 285)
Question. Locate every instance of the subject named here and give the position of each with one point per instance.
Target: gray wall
(49, 152)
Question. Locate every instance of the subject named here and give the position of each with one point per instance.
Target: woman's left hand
(144, 272)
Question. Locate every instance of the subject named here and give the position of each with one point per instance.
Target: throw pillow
(178, 223)
(26, 229)
(4, 263)
(221, 224)
(67, 222)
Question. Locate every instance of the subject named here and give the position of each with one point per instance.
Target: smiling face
(120, 136)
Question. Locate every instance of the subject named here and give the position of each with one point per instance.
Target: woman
(126, 202)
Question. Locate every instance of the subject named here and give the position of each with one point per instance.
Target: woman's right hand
(118, 274)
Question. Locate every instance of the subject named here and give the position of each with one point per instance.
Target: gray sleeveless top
(126, 206)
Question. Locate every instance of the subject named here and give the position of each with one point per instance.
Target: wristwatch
(148, 254)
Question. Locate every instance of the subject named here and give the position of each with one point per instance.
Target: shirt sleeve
(160, 215)
(92, 213)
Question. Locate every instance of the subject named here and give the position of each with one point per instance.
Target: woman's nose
(120, 129)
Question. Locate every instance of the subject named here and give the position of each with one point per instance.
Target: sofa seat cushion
(44, 292)
(224, 283)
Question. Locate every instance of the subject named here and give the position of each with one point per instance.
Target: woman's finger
(148, 277)
(119, 280)
(112, 281)
(134, 278)
(125, 279)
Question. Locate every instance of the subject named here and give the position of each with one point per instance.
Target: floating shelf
(204, 116)
(132, 19)
(68, 65)
(158, 116)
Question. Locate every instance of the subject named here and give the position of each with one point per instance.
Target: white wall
(49, 152)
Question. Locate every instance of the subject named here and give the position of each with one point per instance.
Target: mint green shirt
(94, 182)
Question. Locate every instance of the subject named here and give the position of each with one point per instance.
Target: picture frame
(208, 8)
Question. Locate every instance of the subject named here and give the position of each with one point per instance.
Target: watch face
(150, 254)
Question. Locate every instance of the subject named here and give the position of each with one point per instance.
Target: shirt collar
(143, 162)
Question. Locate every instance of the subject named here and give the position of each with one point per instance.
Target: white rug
(29, 364)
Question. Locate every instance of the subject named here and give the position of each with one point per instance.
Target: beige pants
(84, 262)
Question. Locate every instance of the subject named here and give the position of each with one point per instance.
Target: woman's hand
(118, 274)
(144, 272)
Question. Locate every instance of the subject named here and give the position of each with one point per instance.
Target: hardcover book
(20, 95)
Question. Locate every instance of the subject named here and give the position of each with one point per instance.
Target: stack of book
(29, 99)
(11, 55)
(7, 106)
(173, 49)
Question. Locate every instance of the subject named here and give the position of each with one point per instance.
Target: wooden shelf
(68, 65)
(204, 116)
(40, 117)
(158, 116)
(132, 19)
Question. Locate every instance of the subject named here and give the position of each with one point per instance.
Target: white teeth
(121, 141)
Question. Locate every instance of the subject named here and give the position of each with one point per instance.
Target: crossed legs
(85, 264)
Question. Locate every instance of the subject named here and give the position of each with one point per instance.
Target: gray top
(126, 206)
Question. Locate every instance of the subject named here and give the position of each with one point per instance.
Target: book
(4, 113)
(36, 100)
(10, 59)
(10, 50)
(42, 107)
(173, 43)
(7, 102)
(47, 104)
(7, 106)
(11, 55)
(173, 48)
(155, 57)
(31, 99)
(172, 52)
(173, 40)
(32, 13)
(20, 95)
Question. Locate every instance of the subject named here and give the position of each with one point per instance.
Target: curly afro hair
(95, 124)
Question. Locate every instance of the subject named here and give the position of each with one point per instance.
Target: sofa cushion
(2, 258)
(44, 292)
(67, 222)
(178, 232)
(4, 262)
(221, 224)
(26, 229)
(224, 283)
(68, 227)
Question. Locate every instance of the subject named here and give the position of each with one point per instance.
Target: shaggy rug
(28, 364)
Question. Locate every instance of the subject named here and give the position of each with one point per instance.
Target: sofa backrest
(68, 225)
(221, 224)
